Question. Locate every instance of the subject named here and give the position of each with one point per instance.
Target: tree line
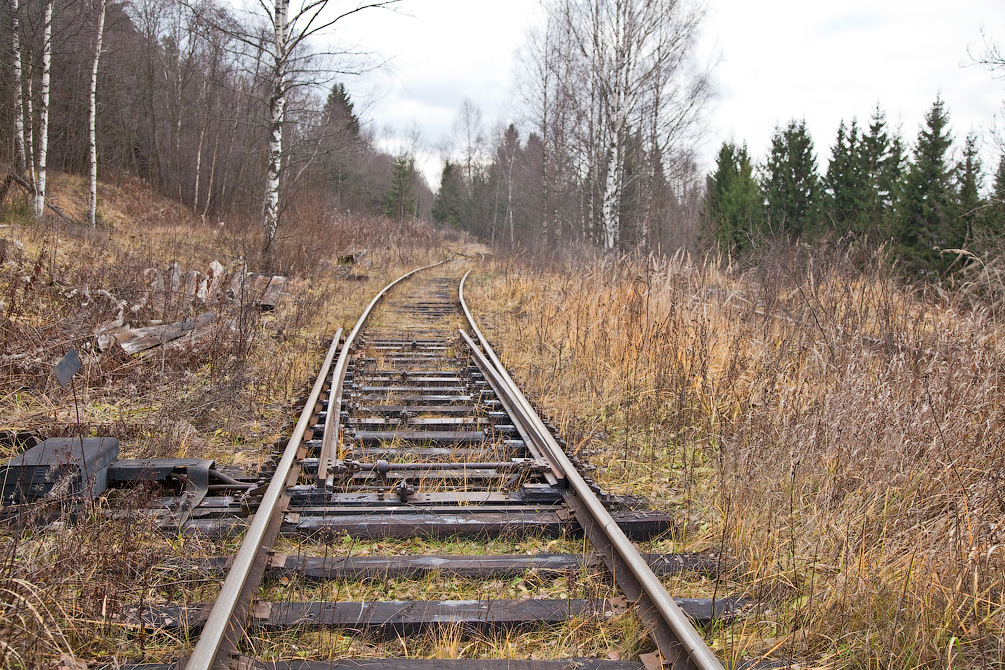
(925, 200)
(240, 113)
(611, 96)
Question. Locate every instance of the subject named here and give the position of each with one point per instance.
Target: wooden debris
(214, 279)
(172, 293)
(135, 340)
(272, 294)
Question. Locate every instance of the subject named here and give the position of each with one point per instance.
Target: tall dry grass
(835, 433)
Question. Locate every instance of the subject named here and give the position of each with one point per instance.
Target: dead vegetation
(831, 432)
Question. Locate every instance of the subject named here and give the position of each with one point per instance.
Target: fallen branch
(11, 177)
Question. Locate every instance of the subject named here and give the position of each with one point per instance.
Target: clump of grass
(835, 431)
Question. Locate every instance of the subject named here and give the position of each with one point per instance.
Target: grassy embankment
(835, 436)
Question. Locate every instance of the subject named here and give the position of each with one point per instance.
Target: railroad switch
(58, 467)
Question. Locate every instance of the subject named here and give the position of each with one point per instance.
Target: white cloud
(781, 59)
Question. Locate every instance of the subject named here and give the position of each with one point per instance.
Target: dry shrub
(69, 592)
(834, 431)
(313, 235)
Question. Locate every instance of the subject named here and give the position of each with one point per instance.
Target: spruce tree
(969, 201)
(450, 203)
(790, 181)
(892, 187)
(846, 182)
(995, 221)
(881, 160)
(927, 225)
(399, 199)
(733, 201)
(339, 114)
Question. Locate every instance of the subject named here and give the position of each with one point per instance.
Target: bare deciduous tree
(619, 80)
(291, 65)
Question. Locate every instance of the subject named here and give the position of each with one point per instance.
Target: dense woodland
(240, 115)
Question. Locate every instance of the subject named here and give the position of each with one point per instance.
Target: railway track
(414, 429)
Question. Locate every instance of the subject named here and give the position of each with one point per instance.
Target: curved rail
(221, 621)
(678, 642)
(218, 625)
(330, 435)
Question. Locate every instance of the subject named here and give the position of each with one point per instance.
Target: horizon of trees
(611, 102)
(925, 198)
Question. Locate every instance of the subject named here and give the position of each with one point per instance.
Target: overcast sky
(776, 60)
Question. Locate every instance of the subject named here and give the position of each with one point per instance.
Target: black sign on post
(67, 367)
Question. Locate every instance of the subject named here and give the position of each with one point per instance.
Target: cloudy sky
(776, 60)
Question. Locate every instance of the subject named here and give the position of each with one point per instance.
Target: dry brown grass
(834, 432)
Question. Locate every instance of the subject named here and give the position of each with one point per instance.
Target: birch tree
(92, 156)
(43, 110)
(20, 158)
(628, 71)
(290, 65)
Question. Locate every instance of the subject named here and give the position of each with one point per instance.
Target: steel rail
(678, 642)
(330, 435)
(527, 419)
(218, 625)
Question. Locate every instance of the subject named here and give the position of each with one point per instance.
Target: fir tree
(970, 179)
(927, 224)
(733, 201)
(399, 200)
(790, 181)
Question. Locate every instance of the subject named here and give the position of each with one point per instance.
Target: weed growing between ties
(834, 436)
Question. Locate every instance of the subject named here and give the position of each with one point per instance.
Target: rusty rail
(678, 642)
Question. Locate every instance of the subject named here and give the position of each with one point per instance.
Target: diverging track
(414, 429)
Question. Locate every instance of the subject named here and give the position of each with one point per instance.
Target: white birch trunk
(612, 196)
(20, 158)
(212, 174)
(198, 167)
(616, 119)
(92, 156)
(277, 109)
(29, 127)
(43, 139)
(509, 198)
